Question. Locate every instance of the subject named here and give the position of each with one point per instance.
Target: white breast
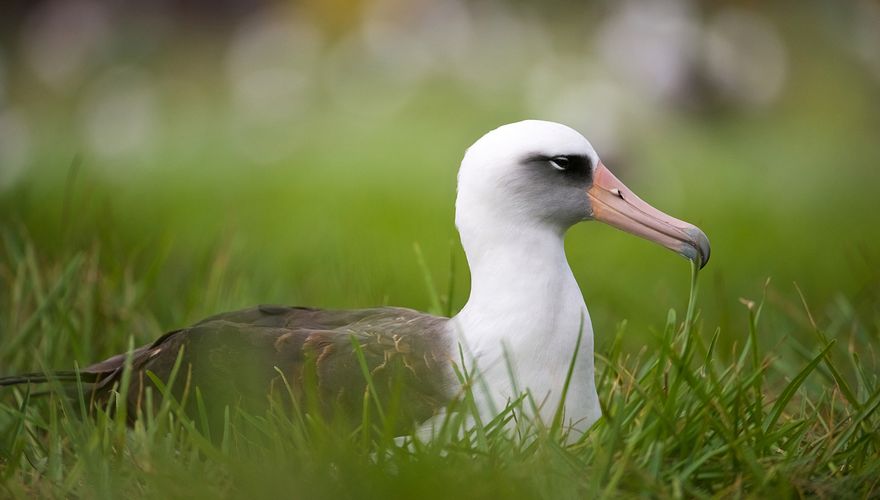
(522, 321)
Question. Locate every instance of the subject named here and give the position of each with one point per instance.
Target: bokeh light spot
(119, 115)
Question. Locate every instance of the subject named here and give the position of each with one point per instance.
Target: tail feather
(42, 378)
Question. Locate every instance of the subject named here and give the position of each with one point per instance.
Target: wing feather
(234, 358)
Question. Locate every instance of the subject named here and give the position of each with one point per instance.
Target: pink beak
(613, 203)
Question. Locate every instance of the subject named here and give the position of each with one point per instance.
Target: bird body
(524, 327)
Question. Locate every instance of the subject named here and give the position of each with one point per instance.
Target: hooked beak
(613, 203)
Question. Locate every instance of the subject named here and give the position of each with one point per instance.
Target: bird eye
(559, 162)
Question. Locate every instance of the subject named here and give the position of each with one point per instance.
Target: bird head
(542, 174)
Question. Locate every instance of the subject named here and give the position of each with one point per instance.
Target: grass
(683, 416)
(775, 395)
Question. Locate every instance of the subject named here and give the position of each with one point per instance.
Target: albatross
(524, 327)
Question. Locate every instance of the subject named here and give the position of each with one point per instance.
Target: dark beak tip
(703, 249)
(698, 248)
(704, 259)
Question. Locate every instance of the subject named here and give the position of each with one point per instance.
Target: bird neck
(526, 312)
(522, 288)
(510, 260)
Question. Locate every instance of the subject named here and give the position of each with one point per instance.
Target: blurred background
(207, 155)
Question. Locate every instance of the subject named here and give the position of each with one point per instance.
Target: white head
(542, 175)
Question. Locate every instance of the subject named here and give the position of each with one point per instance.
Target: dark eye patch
(577, 167)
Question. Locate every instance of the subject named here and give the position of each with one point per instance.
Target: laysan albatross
(520, 188)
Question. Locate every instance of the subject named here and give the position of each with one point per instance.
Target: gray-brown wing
(235, 359)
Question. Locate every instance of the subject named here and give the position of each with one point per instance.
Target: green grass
(751, 389)
(683, 417)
